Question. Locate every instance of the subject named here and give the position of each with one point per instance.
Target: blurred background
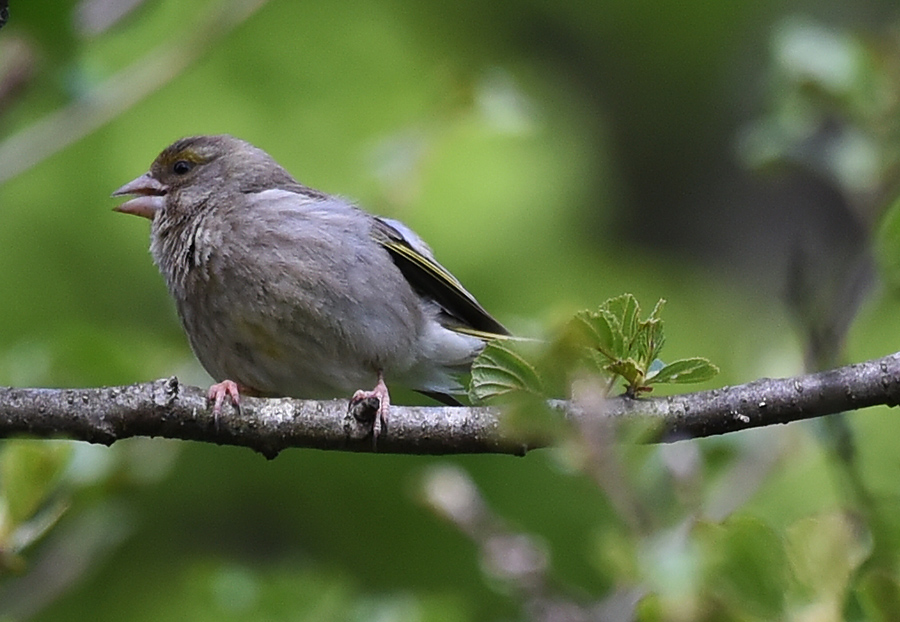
(738, 159)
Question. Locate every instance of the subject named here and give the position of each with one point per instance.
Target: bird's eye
(181, 167)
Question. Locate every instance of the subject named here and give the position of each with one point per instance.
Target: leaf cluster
(613, 342)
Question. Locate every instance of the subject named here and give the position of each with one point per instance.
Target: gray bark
(166, 408)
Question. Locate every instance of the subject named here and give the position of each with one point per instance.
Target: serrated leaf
(618, 347)
(625, 309)
(649, 341)
(657, 340)
(600, 361)
(500, 370)
(683, 371)
(600, 331)
(657, 337)
(629, 370)
(613, 339)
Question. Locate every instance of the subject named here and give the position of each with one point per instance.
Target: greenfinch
(284, 290)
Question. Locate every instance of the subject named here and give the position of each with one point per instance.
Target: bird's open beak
(149, 196)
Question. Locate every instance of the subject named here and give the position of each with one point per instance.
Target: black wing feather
(431, 280)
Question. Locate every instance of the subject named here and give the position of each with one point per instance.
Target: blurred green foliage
(553, 155)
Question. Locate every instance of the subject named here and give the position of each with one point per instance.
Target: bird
(287, 291)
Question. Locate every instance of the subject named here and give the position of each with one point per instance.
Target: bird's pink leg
(380, 392)
(219, 391)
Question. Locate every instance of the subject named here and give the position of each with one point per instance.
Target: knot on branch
(165, 392)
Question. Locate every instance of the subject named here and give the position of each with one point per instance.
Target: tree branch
(169, 409)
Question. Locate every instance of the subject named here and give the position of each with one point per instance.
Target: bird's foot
(219, 391)
(380, 393)
(226, 389)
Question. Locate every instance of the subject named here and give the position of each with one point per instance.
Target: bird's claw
(217, 394)
(377, 400)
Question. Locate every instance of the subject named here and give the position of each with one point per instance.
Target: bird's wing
(431, 280)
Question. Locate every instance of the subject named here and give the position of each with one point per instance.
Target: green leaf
(36, 527)
(619, 348)
(887, 245)
(748, 567)
(683, 371)
(500, 370)
(625, 309)
(649, 341)
(657, 310)
(615, 553)
(877, 590)
(629, 370)
(825, 551)
(29, 471)
(611, 340)
(601, 363)
(529, 419)
(600, 331)
(656, 337)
